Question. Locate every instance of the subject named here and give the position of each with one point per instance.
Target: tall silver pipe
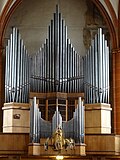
(65, 55)
(34, 119)
(77, 74)
(21, 71)
(56, 47)
(18, 69)
(68, 68)
(36, 74)
(25, 83)
(104, 68)
(50, 53)
(64, 52)
(60, 54)
(107, 72)
(47, 67)
(44, 76)
(42, 68)
(38, 63)
(80, 119)
(96, 69)
(23, 76)
(40, 52)
(13, 66)
(90, 75)
(7, 72)
(93, 71)
(75, 71)
(70, 65)
(100, 63)
(82, 122)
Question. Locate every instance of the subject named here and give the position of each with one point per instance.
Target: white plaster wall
(105, 6)
(115, 4)
(2, 4)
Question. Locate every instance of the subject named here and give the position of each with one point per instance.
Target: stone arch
(10, 8)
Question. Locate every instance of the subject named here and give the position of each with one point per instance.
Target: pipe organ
(57, 76)
(55, 82)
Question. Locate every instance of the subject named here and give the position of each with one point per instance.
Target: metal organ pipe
(58, 69)
(16, 70)
(96, 71)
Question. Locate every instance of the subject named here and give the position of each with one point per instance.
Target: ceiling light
(59, 157)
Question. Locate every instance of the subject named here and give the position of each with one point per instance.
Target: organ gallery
(57, 100)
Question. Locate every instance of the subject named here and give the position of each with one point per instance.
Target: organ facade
(58, 100)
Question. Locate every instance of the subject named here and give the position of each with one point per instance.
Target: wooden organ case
(57, 76)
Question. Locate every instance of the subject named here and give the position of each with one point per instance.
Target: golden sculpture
(58, 141)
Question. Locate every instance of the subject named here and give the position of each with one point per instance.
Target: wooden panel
(56, 95)
(36, 149)
(102, 144)
(16, 118)
(14, 143)
(95, 144)
(97, 118)
(75, 95)
(37, 95)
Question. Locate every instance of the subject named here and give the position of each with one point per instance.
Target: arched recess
(9, 9)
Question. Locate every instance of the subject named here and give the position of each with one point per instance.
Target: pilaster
(116, 89)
